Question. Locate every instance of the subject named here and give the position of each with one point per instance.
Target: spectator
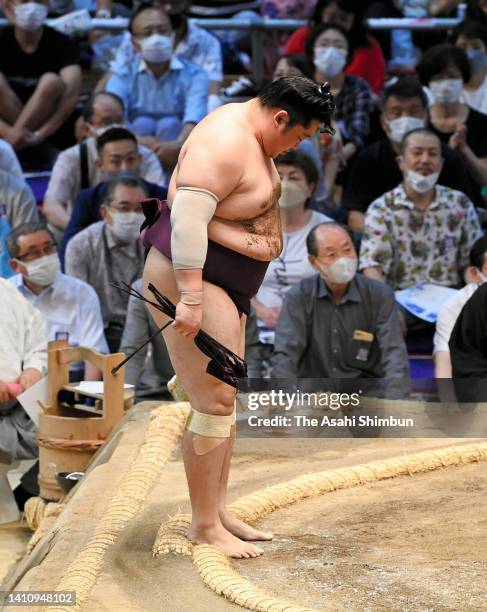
(164, 95)
(339, 324)
(23, 360)
(376, 171)
(70, 306)
(148, 376)
(367, 60)
(40, 77)
(292, 65)
(450, 310)
(118, 156)
(445, 70)
(472, 38)
(190, 41)
(17, 206)
(468, 349)
(110, 251)
(299, 176)
(420, 231)
(329, 50)
(77, 168)
(8, 160)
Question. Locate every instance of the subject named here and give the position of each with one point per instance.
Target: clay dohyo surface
(412, 543)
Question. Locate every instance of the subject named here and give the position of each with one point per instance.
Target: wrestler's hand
(188, 319)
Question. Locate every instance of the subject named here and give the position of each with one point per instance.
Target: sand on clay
(411, 543)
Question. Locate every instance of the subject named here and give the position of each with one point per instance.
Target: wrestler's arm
(218, 173)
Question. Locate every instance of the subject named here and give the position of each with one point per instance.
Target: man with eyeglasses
(110, 251)
(164, 95)
(119, 155)
(69, 305)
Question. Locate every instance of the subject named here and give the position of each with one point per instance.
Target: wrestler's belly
(248, 237)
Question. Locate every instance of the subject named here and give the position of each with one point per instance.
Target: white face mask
(126, 226)
(30, 16)
(292, 195)
(421, 183)
(399, 127)
(446, 91)
(157, 48)
(101, 130)
(43, 271)
(340, 271)
(330, 60)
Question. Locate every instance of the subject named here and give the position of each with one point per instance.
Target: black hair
(311, 242)
(124, 181)
(323, 27)
(423, 132)
(143, 6)
(89, 106)
(357, 35)
(112, 135)
(301, 98)
(404, 88)
(436, 59)
(12, 240)
(301, 62)
(470, 29)
(478, 251)
(302, 161)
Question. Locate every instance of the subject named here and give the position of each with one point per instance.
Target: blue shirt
(180, 92)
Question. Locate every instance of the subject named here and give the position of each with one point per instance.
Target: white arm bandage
(192, 210)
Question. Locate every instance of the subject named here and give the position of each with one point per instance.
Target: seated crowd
(379, 219)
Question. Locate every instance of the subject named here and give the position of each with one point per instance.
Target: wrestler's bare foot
(221, 538)
(241, 529)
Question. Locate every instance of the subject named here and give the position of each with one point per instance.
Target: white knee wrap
(211, 425)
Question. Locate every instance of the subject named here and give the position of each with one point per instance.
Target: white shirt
(448, 316)
(72, 311)
(65, 182)
(289, 268)
(23, 342)
(476, 99)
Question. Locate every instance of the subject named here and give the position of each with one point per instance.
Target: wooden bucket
(69, 436)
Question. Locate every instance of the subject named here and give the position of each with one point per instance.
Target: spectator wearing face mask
(118, 155)
(299, 176)
(70, 306)
(76, 168)
(110, 251)
(472, 38)
(190, 41)
(420, 231)
(339, 324)
(445, 70)
(329, 49)
(375, 171)
(164, 95)
(40, 76)
(448, 314)
(17, 206)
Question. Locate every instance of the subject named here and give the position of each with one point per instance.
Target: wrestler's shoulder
(223, 129)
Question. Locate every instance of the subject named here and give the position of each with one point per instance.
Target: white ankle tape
(211, 425)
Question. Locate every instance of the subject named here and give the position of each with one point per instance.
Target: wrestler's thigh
(220, 320)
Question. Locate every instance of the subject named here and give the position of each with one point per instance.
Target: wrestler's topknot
(302, 98)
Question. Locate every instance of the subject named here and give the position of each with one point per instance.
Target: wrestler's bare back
(223, 155)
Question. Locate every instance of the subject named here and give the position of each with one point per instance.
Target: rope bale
(177, 390)
(45, 514)
(171, 537)
(219, 574)
(34, 510)
(166, 427)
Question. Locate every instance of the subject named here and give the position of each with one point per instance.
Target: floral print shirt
(413, 246)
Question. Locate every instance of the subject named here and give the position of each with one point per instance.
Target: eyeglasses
(48, 249)
(127, 209)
